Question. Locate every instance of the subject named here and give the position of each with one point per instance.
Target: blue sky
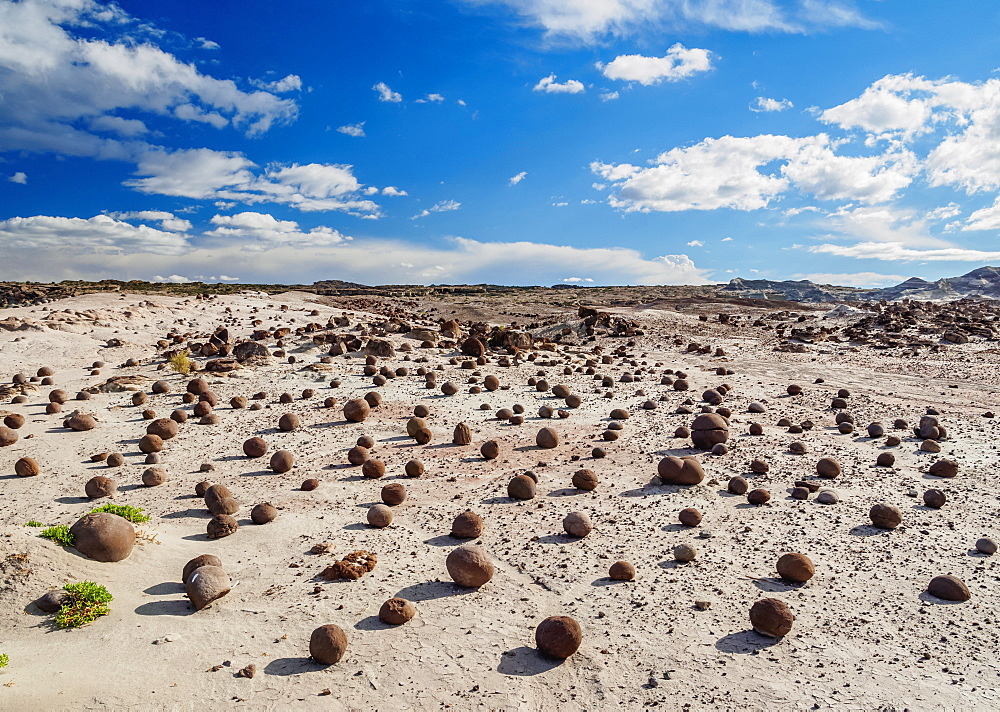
(583, 142)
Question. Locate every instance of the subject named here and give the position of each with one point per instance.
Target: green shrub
(4, 660)
(180, 362)
(87, 601)
(59, 534)
(125, 511)
(33, 523)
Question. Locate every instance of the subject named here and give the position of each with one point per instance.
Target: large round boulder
(103, 536)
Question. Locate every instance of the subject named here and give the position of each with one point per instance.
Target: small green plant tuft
(180, 362)
(33, 523)
(4, 660)
(59, 534)
(87, 601)
(126, 511)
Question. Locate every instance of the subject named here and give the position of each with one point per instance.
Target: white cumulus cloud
(765, 105)
(678, 63)
(19, 177)
(549, 85)
(514, 180)
(356, 130)
(387, 94)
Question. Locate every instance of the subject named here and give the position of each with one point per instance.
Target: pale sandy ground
(867, 636)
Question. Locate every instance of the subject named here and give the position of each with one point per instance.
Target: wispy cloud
(443, 206)
(387, 94)
(549, 85)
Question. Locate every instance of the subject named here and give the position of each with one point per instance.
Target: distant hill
(983, 282)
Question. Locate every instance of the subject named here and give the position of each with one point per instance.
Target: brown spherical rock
(197, 562)
(263, 513)
(521, 487)
(397, 611)
(828, 467)
(709, 429)
(585, 480)
(680, 471)
(206, 584)
(771, 617)
(98, 487)
(490, 450)
(469, 565)
(202, 487)
(356, 410)
(414, 424)
(373, 469)
(885, 516)
(289, 422)
(467, 525)
(944, 468)
(949, 588)
(935, 498)
(103, 536)
(393, 494)
(380, 516)
(219, 500)
(547, 438)
(737, 485)
(758, 496)
(685, 553)
(796, 567)
(759, 467)
(413, 468)
(13, 420)
(26, 467)
(154, 476)
(222, 525)
(558, 637)
(885, 459)
(150, 443)
(689, 517)
(255, 447)
(621, 571)
(282, 461)
(987, 546)
(79, 423)
(115, 459)
(327, 644)
(309, 485)
(578, 524)
(357, 455)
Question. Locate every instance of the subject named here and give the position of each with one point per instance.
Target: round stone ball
(255, 447)
(585, 480)
(689, 517)
(221, 526)
(935, 498)
(197, 562)
(356, 410)
(828, 467)
(13, 421)
(796, 567)
(876, 430)
(737, 485)
(930, 446)
(115, 459)
(794, 390)
(944, 468)
(893, 441)
(578, 524)
(327, 644)
(885, 459)
(799, 493)
(949, 588)
(886, 516)
(685, 553)
(680, 471)
(467, 525)
(413, 468)
(263, 513)
(150, 443)
(310, 484)
(178, 416)
(986, 546)
(521, 487)
(758, 496)
(379, 516)
(373, 469)
(558, 637)
(621, 571)
(490, 450)
(421, 411)
(771, 617)
(98, 487)
(598, 453)
(798, 448)
(154, 476)
(828, 496)
(202, 408)
(357, 455)
(759, 467)
(53, 408)
(394, 493)
(365, 441)
(397, 611)
(547, 438)
(469, 565)
(103, 536)
(289, 422)
(206, 584)
(26, 467)
(282, 461)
